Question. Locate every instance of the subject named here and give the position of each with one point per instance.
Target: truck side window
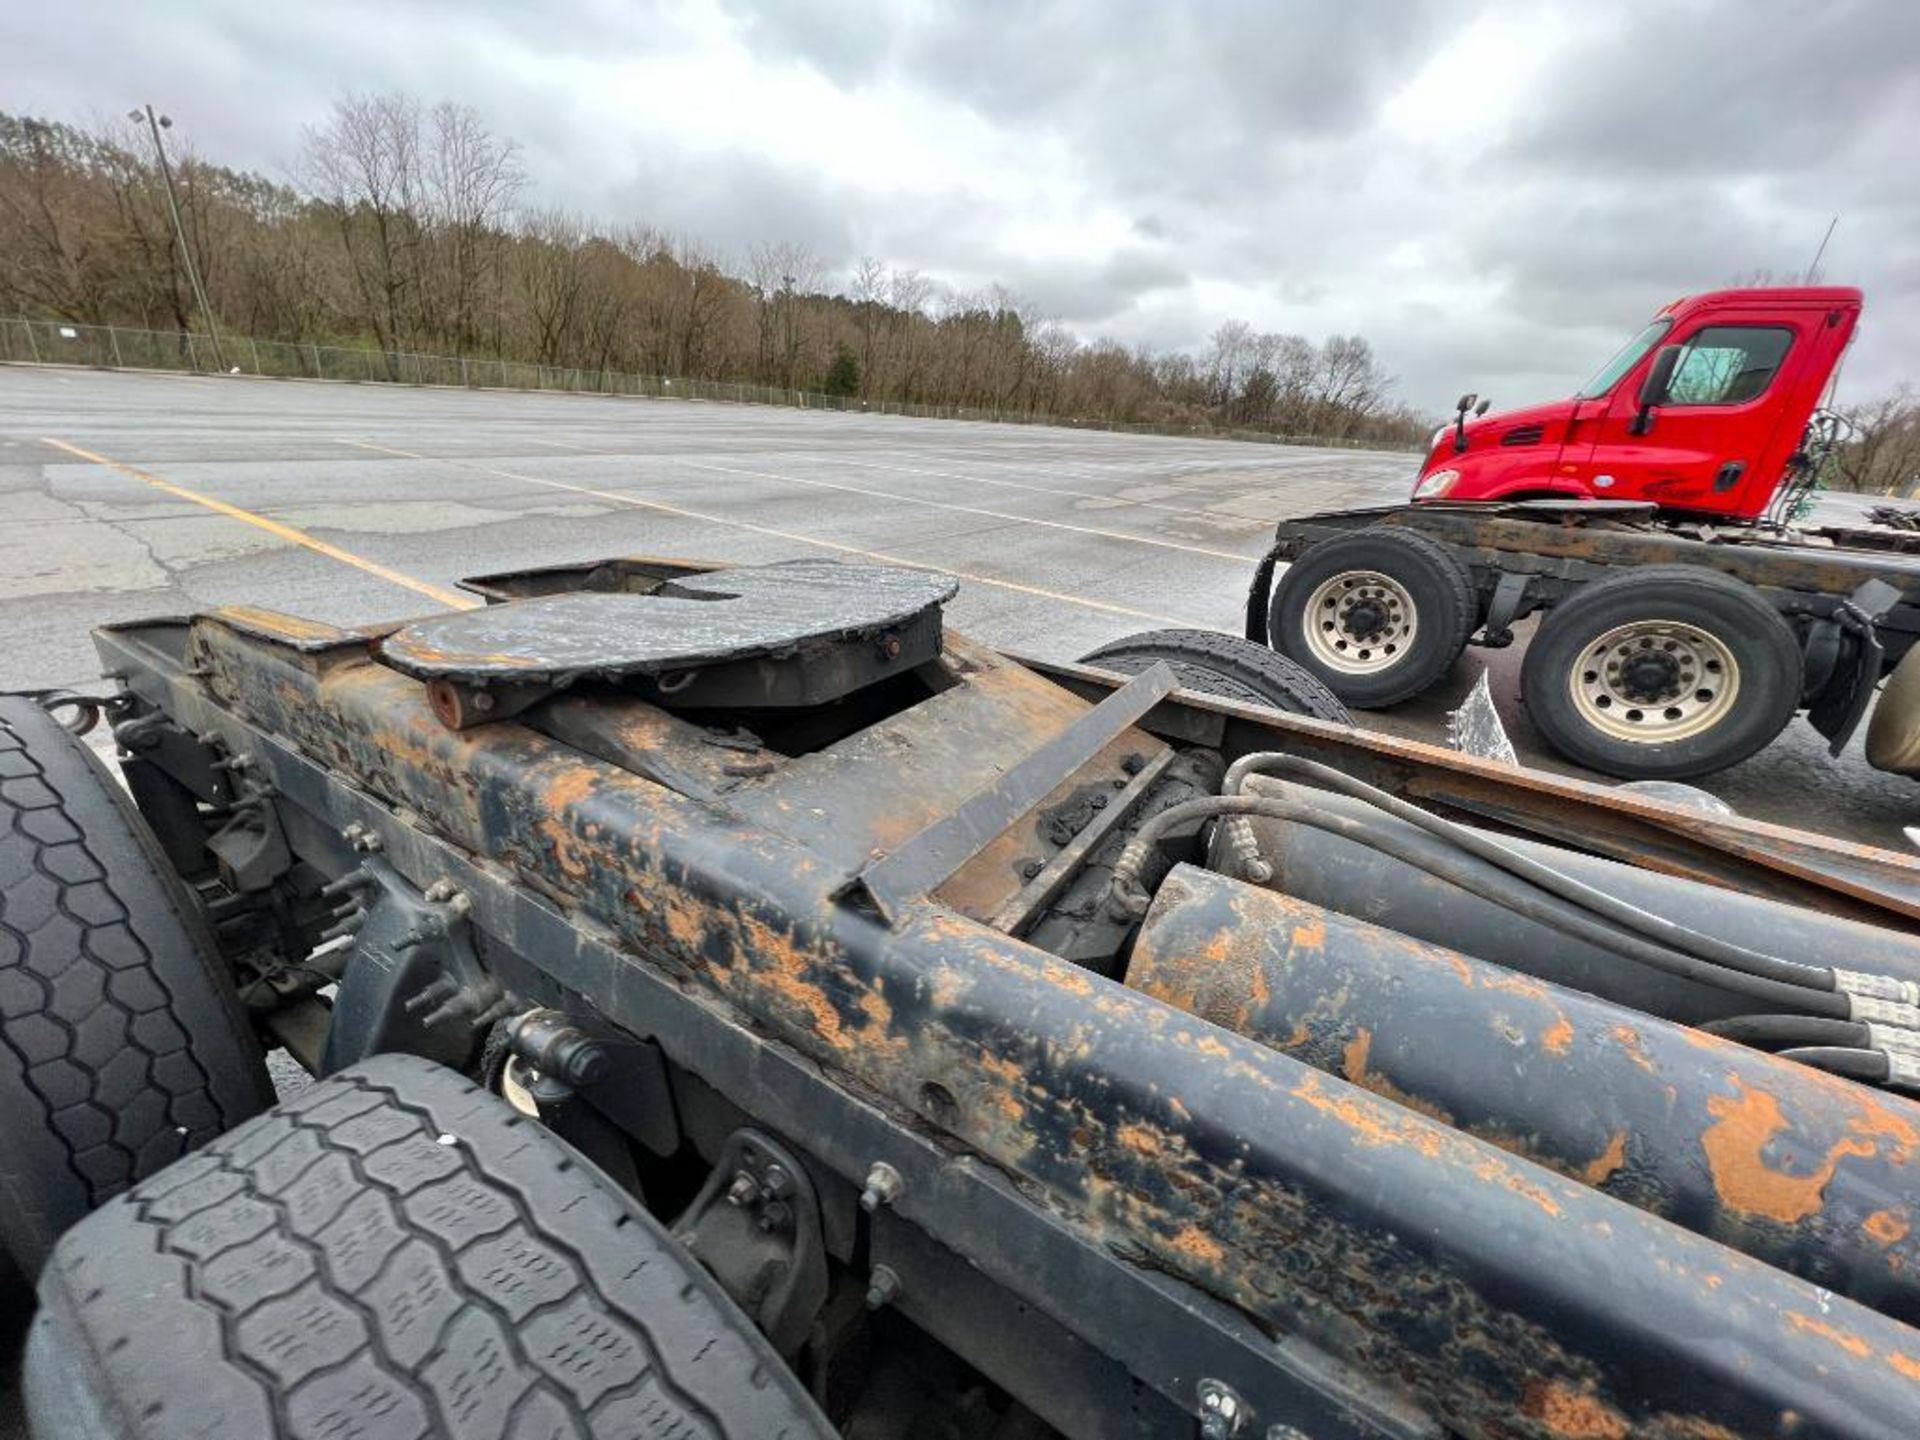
(1728, 364)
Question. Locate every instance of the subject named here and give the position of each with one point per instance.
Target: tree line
(411, 227)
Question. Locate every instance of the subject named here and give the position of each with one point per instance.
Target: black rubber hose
(1837, 1060)
(1772, 1031)
(1657, 928)
(1490, 883)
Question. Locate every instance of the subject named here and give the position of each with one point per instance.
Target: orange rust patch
(1878, 1119)
(1069, 978)
(1141, 1139)
(1310, 933)
(1743, 1126)
(1629, 1039)
(565, 791)
(1559, 1037)
(1371, 1124)
(1905, 1364)
(1460, 966)
(949, 985)
(1192, 1243)
(1846, 1340)
(1353, 1060)
(1513, 984)
(1604, 1166)
(570, 786)
(1887, 1227)
(1001, 1068)
(685, 921)
(273, 623)
(785, 973)
(1576, 1414)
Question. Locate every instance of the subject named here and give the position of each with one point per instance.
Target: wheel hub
(1359, 622)
(1365, 619)
(1652, 682)
(1650, 675)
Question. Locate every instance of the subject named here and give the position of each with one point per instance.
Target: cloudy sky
(1495, 194)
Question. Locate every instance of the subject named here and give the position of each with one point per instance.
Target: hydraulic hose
(1869, 1065)
(1478, 877)
(1773, 1031)
(1656, 928)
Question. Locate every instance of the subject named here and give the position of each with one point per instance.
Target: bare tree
(472, 181)
(869, 296)
(1882, 455)
(406, 224)
(551, 261)
(364, 168)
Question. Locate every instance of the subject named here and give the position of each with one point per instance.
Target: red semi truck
(1654, 517)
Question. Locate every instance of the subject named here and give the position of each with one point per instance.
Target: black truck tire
(122, 1044)
(1722, 674)
(1379, 615)
(1229, 666)
(393, 1254)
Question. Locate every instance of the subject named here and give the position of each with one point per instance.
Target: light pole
(155, 123)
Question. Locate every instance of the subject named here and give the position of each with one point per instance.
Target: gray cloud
(1492, 192)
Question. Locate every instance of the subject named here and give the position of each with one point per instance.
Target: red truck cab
(1700, 412)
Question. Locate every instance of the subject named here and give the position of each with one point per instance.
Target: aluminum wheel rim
(1701, 684)
(1341, 644)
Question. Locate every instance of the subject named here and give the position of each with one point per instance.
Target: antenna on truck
(1814, 268)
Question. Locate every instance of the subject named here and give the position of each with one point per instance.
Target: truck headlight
(1438, 483)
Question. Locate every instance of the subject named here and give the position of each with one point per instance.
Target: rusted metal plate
(296, 632)
(687, 623)
(1512, 1300)
(1818, 1175)
(926, 860)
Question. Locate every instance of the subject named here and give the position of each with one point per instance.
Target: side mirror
(1466, 403)
(1483, 407)
(1653, 389)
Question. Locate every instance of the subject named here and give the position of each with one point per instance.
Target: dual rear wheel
(1660, 673)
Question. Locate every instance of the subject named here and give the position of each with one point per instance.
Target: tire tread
(103, 976)
(1230, 666)
(397, 1248)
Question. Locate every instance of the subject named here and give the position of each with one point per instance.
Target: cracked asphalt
(1063, 539)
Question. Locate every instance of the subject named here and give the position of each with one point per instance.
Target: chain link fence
(114, 347)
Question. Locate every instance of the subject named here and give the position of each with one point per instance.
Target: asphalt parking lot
(132, 495)
(127, 495)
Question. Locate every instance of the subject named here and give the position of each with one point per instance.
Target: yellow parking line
(272, 527)
(620, 498)
(1119, 535)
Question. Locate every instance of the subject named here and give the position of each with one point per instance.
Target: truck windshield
(1610, 375)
